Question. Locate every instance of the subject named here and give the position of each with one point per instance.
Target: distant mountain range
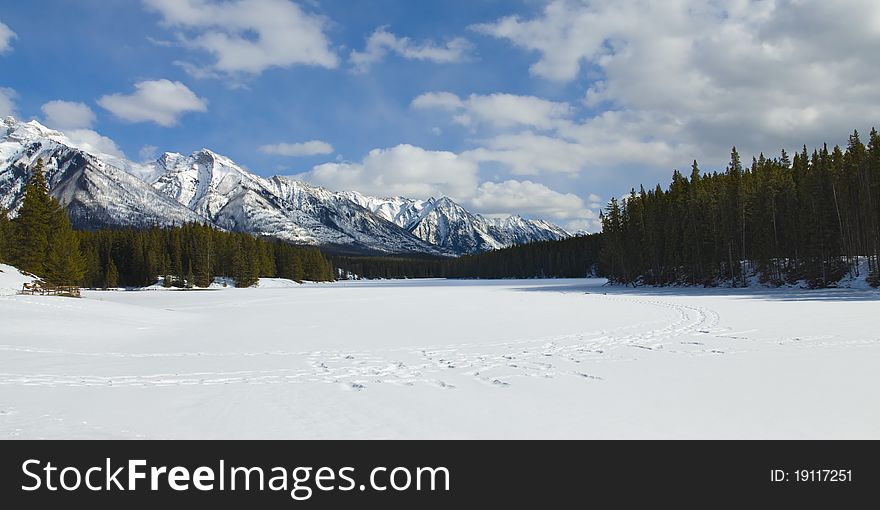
(102, 190)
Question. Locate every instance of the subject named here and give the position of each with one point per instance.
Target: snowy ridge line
(101, 190)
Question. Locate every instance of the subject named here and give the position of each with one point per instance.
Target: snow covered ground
(441, 359)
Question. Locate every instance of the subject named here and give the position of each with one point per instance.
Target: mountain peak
(31, 130)
(206, 187)
(444, 222)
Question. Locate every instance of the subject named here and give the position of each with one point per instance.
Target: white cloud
(526, 197)
(248, 36)
(92, 141)
(531, 135)
(402, 170)
(75, 120)
(532, 154)
(414, 172)
(66, 115)
(691, 78)
(160, 101)
(382, 42)
(148, 152)
(535, 200)
(609, 140)
(6, 37)
(310, 148)
(498, 110)
(7, 102)
(444, 100)
(198, 72)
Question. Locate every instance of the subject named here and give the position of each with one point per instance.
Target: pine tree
(240, 256)
(32, 226)
(65, 264)
(297, 273)
(190, 277)
(111, 278)
(202, 257)
(4, 235)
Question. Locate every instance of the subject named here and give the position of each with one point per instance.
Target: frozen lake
(442, 359)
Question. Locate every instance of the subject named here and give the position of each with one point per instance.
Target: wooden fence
(44, 289)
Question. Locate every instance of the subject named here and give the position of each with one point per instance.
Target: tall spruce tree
(32, 226)
(111, 277)
(65, 264)
(4, 235)
(810, 218)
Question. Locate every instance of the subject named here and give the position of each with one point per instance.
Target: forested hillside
(574, 257)
(813, 217)
(40, 240)
(193, 255)
(808, 218)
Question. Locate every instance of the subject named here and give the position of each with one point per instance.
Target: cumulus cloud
(443, 100)
(160, 101)
(247, 36)
(694, 78)
(532, 136)
(310, 148)
(410, 171)
(533, 154)
(6, 37)
(498, 110)
(402, 170)
(7, 102)
(92, 141)
(527, 197)
(148, 152)
(535, 200)
(76, 120)
(65, 115)
(382, 42)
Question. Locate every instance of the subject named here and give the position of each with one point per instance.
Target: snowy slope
(105, 190)
(224, 193)
(11, 280)
(98, 189)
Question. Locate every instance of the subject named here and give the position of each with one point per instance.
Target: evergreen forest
(40, 240)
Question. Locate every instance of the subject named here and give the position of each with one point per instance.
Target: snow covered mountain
(98, 189)
(442, 222)
(104, 190)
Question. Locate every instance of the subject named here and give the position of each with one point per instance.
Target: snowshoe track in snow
(497, 364)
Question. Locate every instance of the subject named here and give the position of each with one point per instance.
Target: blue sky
(546, 109)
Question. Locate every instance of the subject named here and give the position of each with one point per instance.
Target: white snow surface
(11, 281)
(441, 359)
